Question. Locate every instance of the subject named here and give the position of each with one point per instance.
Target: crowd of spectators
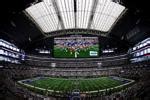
(140, 72)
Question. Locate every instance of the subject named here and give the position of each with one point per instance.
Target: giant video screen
(76, 47)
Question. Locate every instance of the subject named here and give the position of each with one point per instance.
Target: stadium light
(46, 16)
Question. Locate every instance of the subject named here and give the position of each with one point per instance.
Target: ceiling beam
(58, 14)
(75, 14)
(92, 13)
(78, 31)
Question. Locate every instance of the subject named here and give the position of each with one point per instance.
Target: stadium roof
(22, 30)
(52, 15)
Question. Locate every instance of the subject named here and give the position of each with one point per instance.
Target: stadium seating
(78, 63)
(137, 71)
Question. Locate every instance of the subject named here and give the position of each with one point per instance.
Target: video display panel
(76, 47)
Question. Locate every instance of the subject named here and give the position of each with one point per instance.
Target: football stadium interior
(75, 50)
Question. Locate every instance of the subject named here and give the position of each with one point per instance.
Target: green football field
(66, 53)
(68, 85)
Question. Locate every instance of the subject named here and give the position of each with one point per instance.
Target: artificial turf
(62, 84)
